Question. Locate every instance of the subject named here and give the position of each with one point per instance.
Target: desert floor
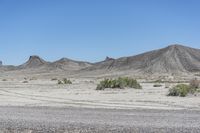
(44, 106)
(82, 93)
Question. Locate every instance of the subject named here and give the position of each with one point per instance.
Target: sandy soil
(82, 93)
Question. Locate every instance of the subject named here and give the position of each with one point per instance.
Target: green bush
(66, 81)
(118, 83)
(181, 90)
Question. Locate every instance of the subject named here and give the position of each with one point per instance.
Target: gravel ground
(84, 120)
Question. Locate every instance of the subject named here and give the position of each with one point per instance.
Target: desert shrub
(60, 82)
(118, 83)
(64, 81)
(4, 79)
(181, 90)
(194, 83)
(132, 83)
(157, 85)
(67, 81)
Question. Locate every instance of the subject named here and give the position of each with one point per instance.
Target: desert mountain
(172, 59)
(68, 64)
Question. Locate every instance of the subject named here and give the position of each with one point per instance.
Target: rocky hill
(172, 59)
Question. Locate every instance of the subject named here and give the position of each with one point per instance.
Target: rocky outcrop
(34, 62)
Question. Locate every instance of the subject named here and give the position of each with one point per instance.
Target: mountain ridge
(174, 58)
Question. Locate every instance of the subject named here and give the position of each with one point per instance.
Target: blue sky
(90, 30)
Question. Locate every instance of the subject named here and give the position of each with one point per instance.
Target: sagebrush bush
(181, 90)
(119, 83)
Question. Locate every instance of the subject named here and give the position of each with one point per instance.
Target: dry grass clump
(121, 83)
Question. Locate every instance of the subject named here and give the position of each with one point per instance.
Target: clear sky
(90, 30)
